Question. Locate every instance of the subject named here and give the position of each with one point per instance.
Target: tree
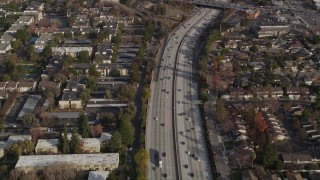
(96, 130)
(108, 118)
(135, 73)
(107, 94)
(13, 57)
(278, 166)
(127, 132)
(47, 52)
(60, 171)
(98, 58)
(23, 35)
(126, 92)
(5, 77)
(260, 122)
(64, 142)
(83, 126)
(83, 57)
(36, 133)
(312, 166)
(85, 96)
(29, 120)
(114, 72)
(91, 83)
(254, 49)
(115, 143)
(141, 158)
(112, 176)
(268, 154)
(75, 142)
(103, 35)
(93, 71)
(68, 34)
(16, 44)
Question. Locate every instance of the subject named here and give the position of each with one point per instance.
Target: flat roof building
(98, 175)
(47, 146)
(101, 162)
(16, 138)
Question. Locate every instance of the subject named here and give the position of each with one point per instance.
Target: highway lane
(188, 114)
(160, 138)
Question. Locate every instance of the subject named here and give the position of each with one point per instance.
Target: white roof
(98, 175)
(105, 136)
(91, 142)
(47, 143)
(77, 159)
(16, 138)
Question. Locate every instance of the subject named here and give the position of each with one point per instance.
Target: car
(168, 77)
(156, 118)
(192, 174)
(162, 124)
(193, 155)
(188, 153)
(179, 89)
(167, 92)
(188, 119)
(183, 143)
(186, 166)
(163, 90)
(197, 158)
(164, 154)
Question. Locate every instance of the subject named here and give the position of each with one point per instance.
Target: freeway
(174, 132)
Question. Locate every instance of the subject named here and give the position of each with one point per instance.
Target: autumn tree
(36, 133)
(108, 118)
(141, 158)
(260, 122)
(96, 130)
(29, 120)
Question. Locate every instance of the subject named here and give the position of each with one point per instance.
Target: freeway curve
(168, 135)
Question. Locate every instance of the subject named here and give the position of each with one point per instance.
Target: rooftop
(77, 159)
(98, 175)
(29, 106)
(64, 115)
(45, 143)
(91, 142)
(16, 138)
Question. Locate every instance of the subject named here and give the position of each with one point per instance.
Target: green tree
(93, 71)
(23, 35)
(115, 142)
(68, 34)
(85, 96)
(279, 166)
(127, 132)
(29, 120)
(16, 44)
(312, 166)
(112, 176)
(47, 52)
(268, 154)
(254, 49)
(126, 92)
(141, 158)
(108, 118)
(5, 77)
(83, 125)
(108, 94)
(83, 57)
(91, 83)
(75, 142)
(135, 73)
(64, 142)
(103, 35)
(114, 72)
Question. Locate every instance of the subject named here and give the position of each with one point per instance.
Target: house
(11, 86)
(47, 146)
(35, 9)
(29, 106)
(2, 147)
(104, 52)
(15, 27)
(72, 51)
(46, 85)
(102, 162)
(257, 65)
(42, 42)
(268, 31)
(91, 145)
(252, 14)
(98, 175)
(70, 100)
(17, 138)
(7, 38)
(26, 86)
(25, 20)
(298, 158)
(62, 116)
(3, 94)
(248, 175)
(5, 47)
